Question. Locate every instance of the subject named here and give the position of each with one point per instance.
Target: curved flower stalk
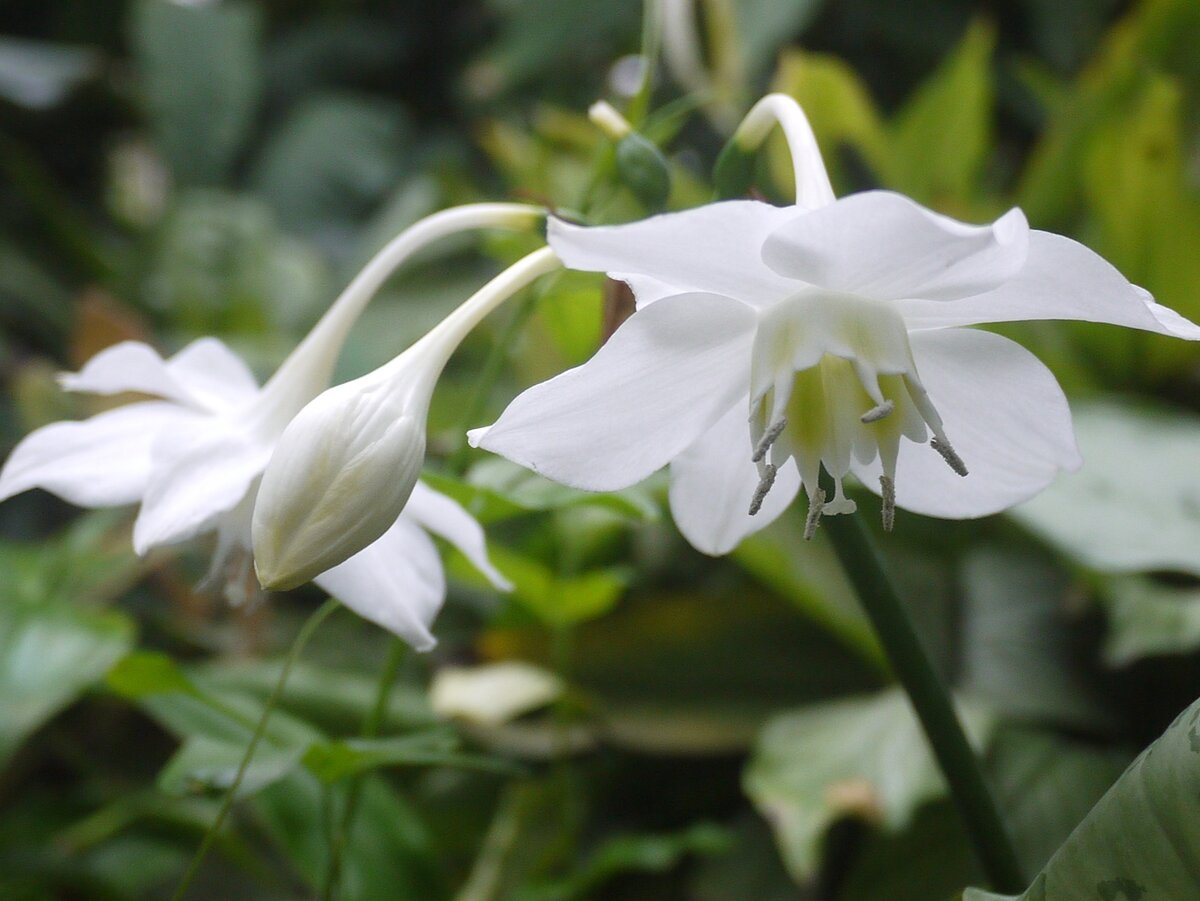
(344, 467)
(771, 343)
(193, 456)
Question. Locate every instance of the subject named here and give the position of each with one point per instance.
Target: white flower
(194, 457)
(343, 468)
(771, 342)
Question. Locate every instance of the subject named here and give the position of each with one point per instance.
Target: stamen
(888, 485)
(953, 460)
(877, 413)
(816, 504)
(768, 438)
(764, 485)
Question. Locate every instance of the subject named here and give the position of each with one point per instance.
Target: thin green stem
(929, 699)
(639, 106)
(306, 632)
(371, 726)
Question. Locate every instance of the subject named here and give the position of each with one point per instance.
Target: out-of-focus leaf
(1020, 651)
(927, 859)
(1142, 840)
(748, 868)
(1135, 504)
(809, 575)
(948, 119)
(334, 158)
(205, 764)
(38, 74)
(570, 315)
(49, 654)
(631, 853)
(694, 673)
(1146, 617)
(388, 853)
(1046, 784)
(556, 599)
(221, 265)
(334, 761)
(1066, 29)
(199, 68)
(763, 26)
(838, 106)
(496, 489)
(864, 757)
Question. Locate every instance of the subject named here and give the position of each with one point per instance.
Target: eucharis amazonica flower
(770, 343)
(194, 455)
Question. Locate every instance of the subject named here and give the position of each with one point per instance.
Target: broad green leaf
(1046, 783)
(206, 764)
(199, 75)
(863, 757)
(496, 489)
(49, 654)
(1019, 645)
(1135, 504)
(763, 26)
(748, 868)
(948, 119)
(1142, 840)
(809, 576)
(555, 599)
(335, 158)
(337, 760)
(1146, 617)
(838, 106)
(630, 853)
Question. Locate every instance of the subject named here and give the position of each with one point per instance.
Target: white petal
(1061, 279)
(666, 375)
(128, 366)
(198, 473)
(213, 375)
(397, 582)
(715, 248)
(885, 246)
(713, 481)
(99, 462)
(205, 374)
(446, 518)
(1003, 412)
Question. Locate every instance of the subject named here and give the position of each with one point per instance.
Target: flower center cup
(833, 379)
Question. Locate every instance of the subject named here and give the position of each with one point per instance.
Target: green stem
(929, 699)
(371, 726)
(306, 632)
(639, 106)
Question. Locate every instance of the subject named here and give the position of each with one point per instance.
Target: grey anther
(888, 490)
(768, 438)
(764, 485)
(877, 413)
(815, 506)
(953, 460)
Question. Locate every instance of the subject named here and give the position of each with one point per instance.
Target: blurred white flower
(771, 342)
(194, 456)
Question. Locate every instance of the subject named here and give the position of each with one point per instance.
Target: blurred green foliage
(729, 730)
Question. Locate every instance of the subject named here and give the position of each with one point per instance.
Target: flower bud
(644, 170)
(340, 475)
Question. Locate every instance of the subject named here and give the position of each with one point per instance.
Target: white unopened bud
(340, 475)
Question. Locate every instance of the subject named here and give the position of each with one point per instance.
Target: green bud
(734, 171)
(644, 170)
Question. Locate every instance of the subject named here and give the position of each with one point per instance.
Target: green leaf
(864, 757)
(335, 157)
(948, 119)
(560, 600)
(199, 68)
(1019, 645)
(764, 26)
(49, 654)
(1135, 504)
(206, 764)
(333, 761)
(1146, 617)
(1142, 840)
